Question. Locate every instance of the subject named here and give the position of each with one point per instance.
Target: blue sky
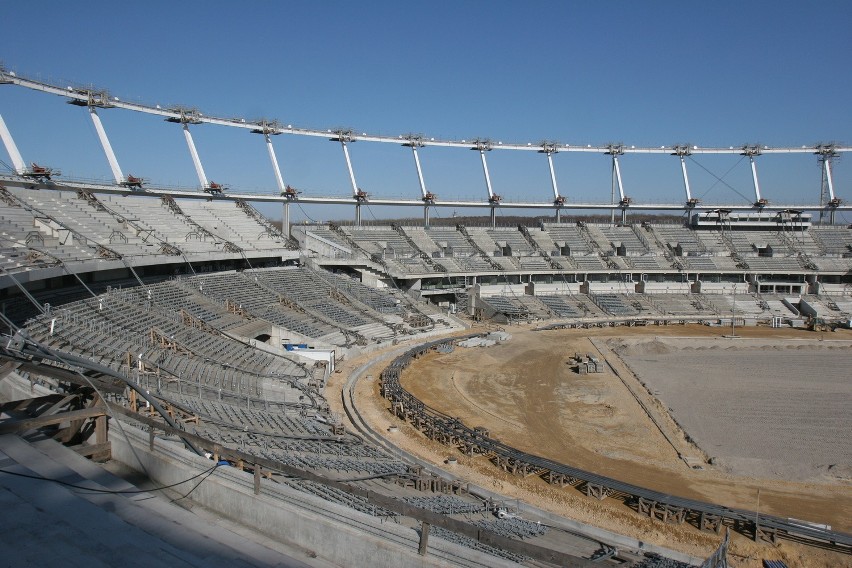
(641, 73)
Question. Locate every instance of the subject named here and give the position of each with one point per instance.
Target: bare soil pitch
(527, 395)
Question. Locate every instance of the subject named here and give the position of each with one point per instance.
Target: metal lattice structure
(94, 100)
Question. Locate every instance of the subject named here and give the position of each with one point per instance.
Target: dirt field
(528, 397)
(767, 409)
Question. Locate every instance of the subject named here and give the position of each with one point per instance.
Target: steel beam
(279, 179)
(62, 91)
(69, 185)
(196, 161)
(754, 179)
(617, 169)
(12, 425)
(12, 148)
(349, 168)
(419, 171)
(485, 171)
(685, 179)
(110, 155)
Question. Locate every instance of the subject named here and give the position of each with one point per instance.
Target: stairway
(463, 230)
(535, 246)
(436, 266)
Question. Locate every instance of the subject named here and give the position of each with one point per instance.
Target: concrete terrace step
(46, 524)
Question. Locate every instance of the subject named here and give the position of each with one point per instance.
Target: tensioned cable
(720, 179)
(312, 220)
(206, 472)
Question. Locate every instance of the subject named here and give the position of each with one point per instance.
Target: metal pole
(487, 178)
(733, 310)
(110, 155)
(199, 169)
(12, 148)
(612, 193)
(419, 171)
(757, 515)
(351, 175)
(278, 179)
(552, 175)
(754, 179)
(685, 179)
(826, 164)
(618, 176)
(426, 216)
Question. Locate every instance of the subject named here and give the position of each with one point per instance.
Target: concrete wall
(335, 533)
(554, 288)
(664, 287)
(15, 387)
(613, 287)
(502, 289)
(808, 309)
(830, 289)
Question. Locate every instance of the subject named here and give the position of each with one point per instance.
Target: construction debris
(586, 363)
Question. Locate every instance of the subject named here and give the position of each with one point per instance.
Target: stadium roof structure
(96, 99)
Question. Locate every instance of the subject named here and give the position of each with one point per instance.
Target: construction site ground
(527, 395)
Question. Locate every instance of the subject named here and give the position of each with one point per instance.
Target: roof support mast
(199, 169)
(415, 142)
(110, 155)
(618, 176)
(278, 178)
(548, 149)
(187, 117)
(344, 137)
(93, 100)
(269, 129)
(682, 152)
(349, 167)
(751, 152)
(826, 167)
(826, 153)
(485, 146)
(12, 148)
(616, 150)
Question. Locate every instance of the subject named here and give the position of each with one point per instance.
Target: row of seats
(585, 247)
(80, 227)
(631, 305)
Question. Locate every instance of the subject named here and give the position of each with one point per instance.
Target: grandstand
(236, 327)
(211, 334)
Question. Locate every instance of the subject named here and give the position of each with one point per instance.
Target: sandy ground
(524, 392)
(767, 409)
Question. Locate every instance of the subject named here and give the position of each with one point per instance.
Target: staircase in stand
(463, 230)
